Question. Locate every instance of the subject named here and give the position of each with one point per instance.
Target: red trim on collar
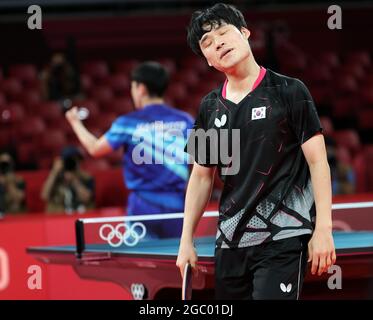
(261, 75)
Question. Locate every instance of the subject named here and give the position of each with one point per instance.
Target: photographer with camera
(68, 188)
(12, 187)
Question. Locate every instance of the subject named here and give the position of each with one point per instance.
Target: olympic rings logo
(123, 233)
(138, 291)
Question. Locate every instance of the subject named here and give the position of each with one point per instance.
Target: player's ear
(246, 32)
(143, 89)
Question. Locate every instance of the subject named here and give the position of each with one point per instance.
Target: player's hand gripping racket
(187, 283)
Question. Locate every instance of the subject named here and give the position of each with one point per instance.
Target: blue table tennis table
(149, 267)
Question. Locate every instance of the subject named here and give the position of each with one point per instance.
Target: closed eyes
(207, 41)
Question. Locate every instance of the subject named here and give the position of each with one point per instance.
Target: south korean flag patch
(258, 113)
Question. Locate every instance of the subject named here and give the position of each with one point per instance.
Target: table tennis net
(133, 231)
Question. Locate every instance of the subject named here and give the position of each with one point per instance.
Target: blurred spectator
(12, 187)
(343, 176)
(68, 188)
(60, 80)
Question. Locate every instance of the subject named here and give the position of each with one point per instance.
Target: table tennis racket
(187, 283)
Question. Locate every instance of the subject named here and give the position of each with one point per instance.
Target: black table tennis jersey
(270, 197)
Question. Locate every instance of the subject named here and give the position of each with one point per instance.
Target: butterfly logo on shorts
(221, 122)
(285, 288)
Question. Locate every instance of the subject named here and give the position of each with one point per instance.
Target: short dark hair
(153, 75)
(203, 21)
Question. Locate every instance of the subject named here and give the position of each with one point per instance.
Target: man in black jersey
(275, 208)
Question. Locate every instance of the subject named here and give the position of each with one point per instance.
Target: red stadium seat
(102, 94)
(11, 87)
(317, 74)
(191, 104)
(177, 91)
(365, 119)
(120, 106)
(63, 126)
(51, 112)
(97, 70)
(23, 72)
(344, 107)
(125, 66)
(85, 82)
(366, 94)
(349, 139)
(188, 76)
(205, 87)
(293, 63)
(2, 100)
(30, 98)
(34, 84)
(354, 69)
(169, 64)
(5, 137)
(31, 128)
(195, 63)
(26, 153)
(258, 42)
(361, 57)
(51, 143)
(320, 94)
(119, 84)
(368, 79)
(12, 113)
(345, 84)
(329, 58)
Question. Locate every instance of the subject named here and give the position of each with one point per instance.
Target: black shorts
(273, 270)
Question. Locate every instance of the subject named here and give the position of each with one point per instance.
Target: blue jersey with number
(154, 162)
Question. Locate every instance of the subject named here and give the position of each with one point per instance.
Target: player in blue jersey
(153, 138)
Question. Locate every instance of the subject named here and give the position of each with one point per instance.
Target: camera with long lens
(70, 163)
